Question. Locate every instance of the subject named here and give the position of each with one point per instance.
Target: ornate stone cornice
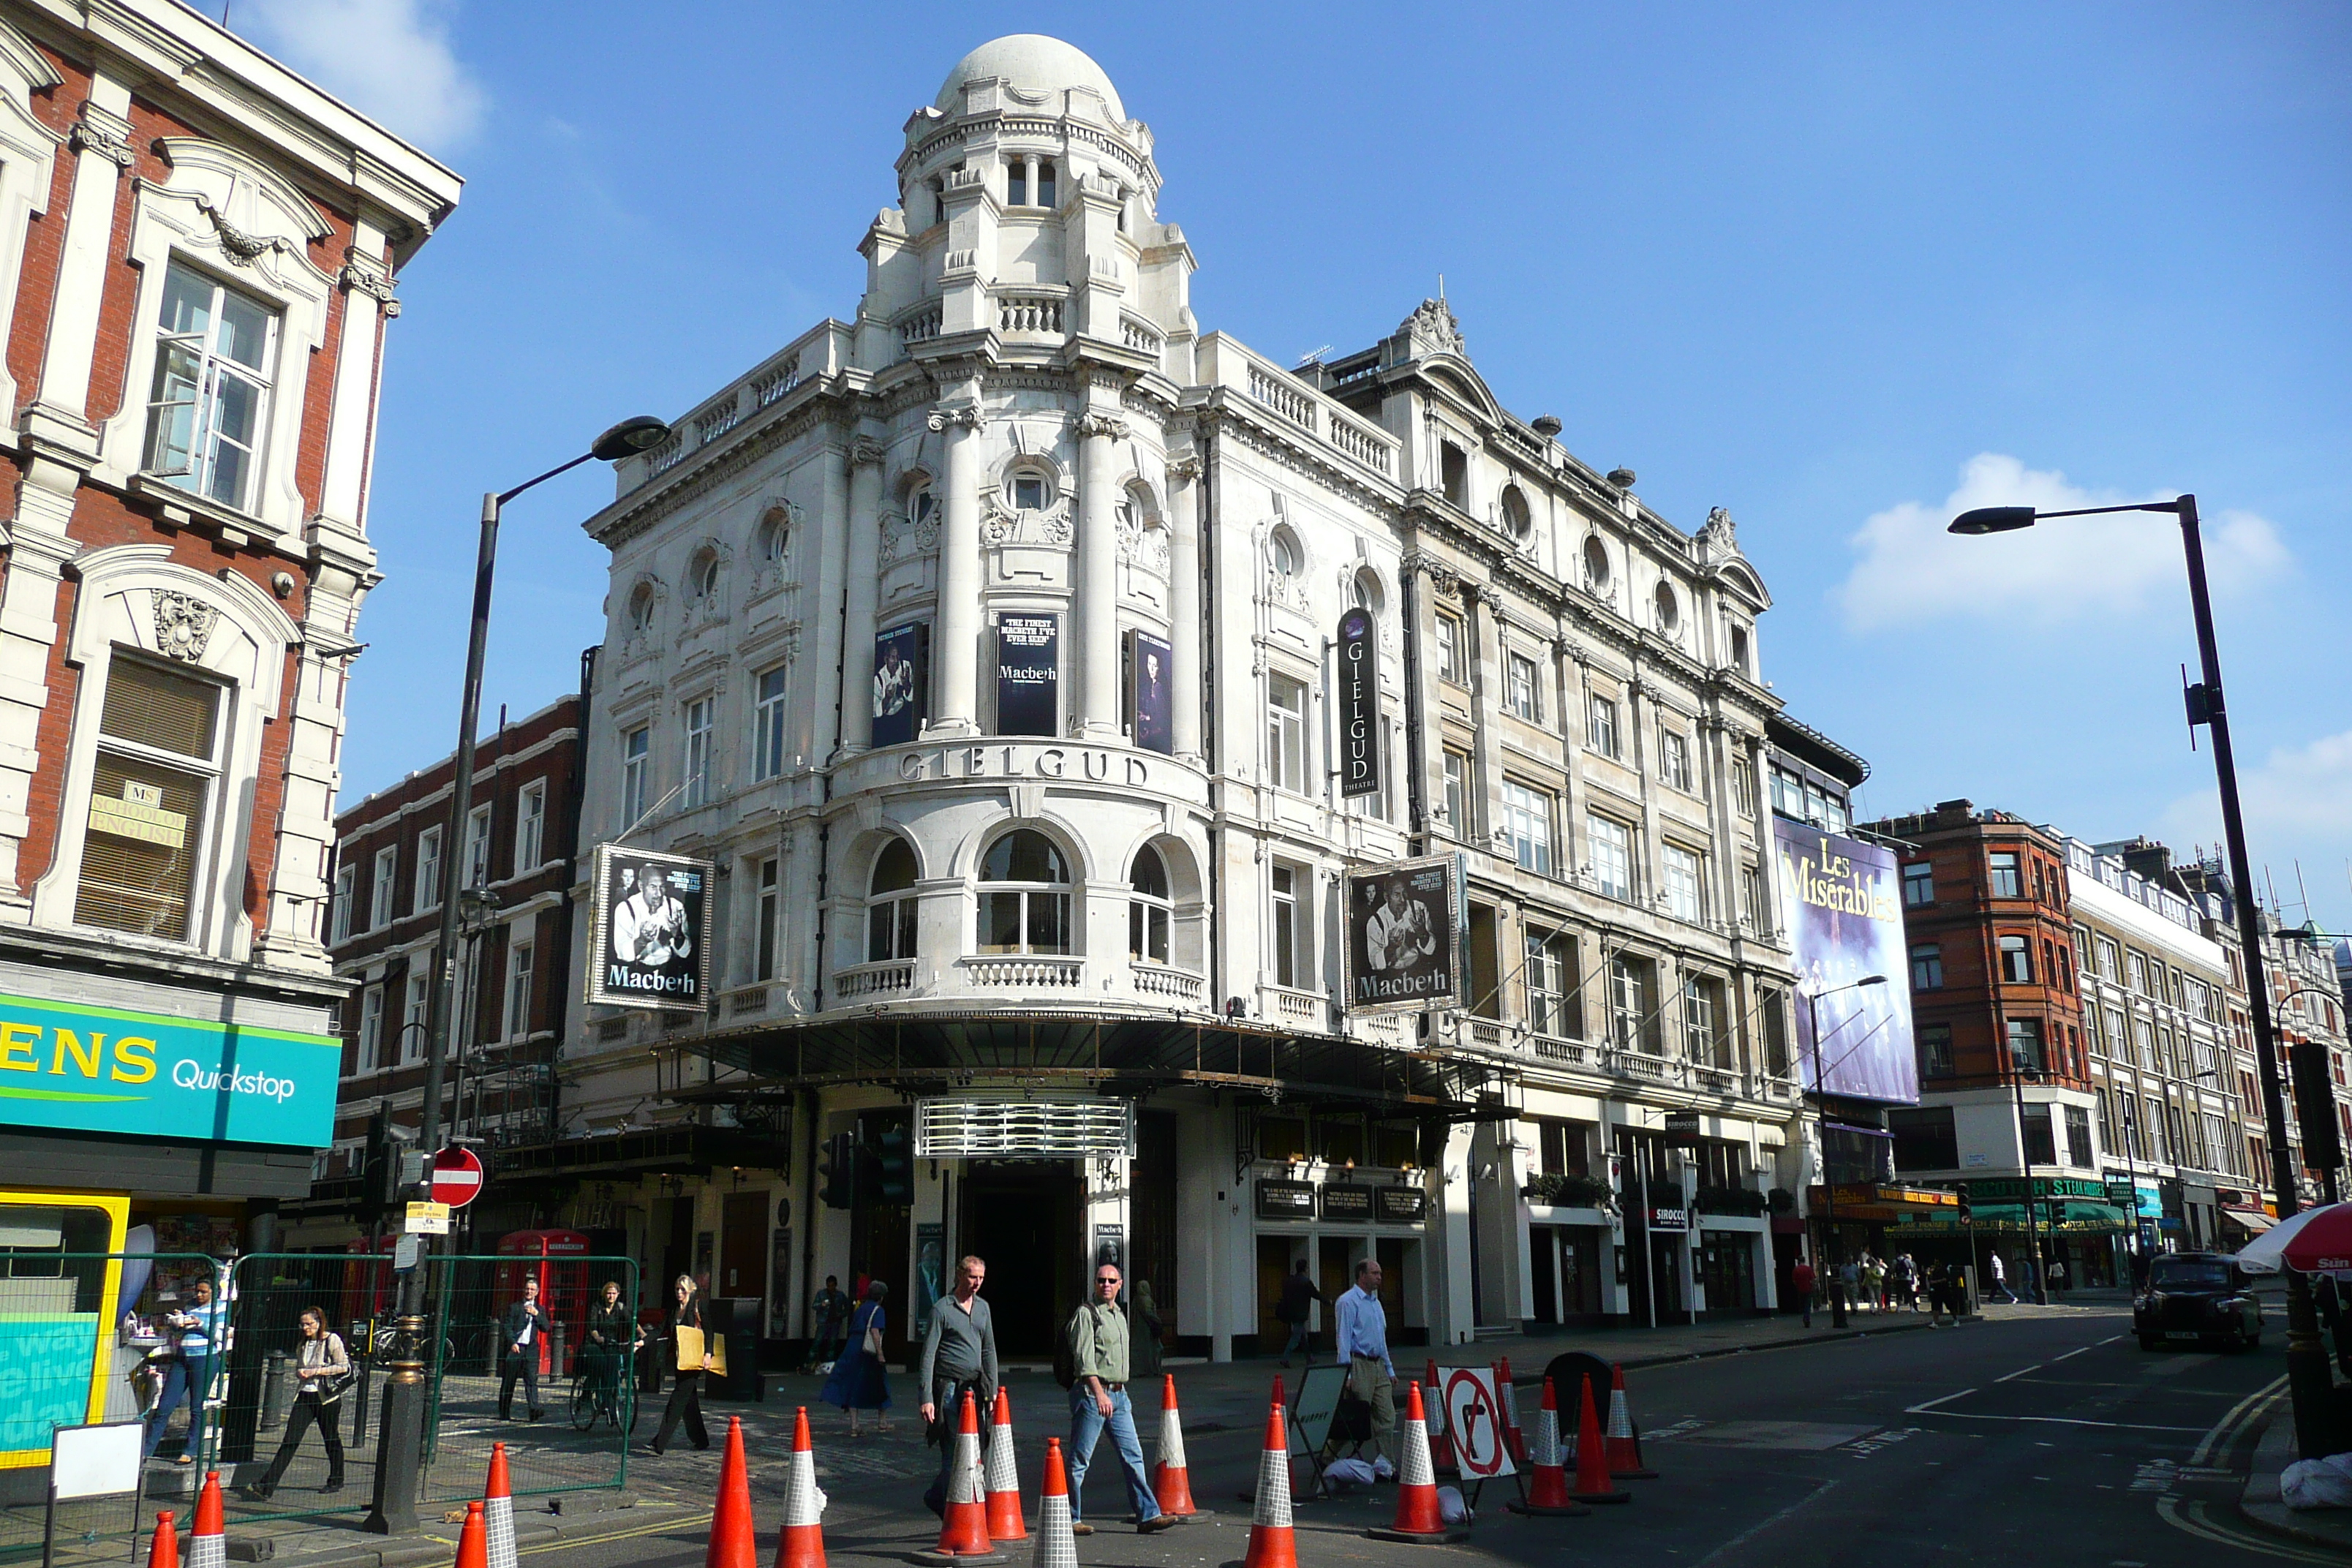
(107, 135)
(865, 450)
(364, 275)
(1185, 470)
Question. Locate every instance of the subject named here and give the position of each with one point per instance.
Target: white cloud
(1910, 570)
(390, 59)
(2298, 805)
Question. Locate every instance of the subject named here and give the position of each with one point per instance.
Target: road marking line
(2021, 1371)
(2077, 1351)
(2244, 1410)
(2196, 1519)
(1753, 1531)
(2048, 1420)
(1924, 1409)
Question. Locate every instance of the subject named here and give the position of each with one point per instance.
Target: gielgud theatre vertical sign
(648, 947)
(1841, 904)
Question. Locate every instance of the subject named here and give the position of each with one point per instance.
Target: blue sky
(1839, 270)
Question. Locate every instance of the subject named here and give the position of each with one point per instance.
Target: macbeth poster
(1403, 952)
(1841, 904)
(1028, 675)
(647, 944)
(1360, 706)
(902, 659)
(1153, 700)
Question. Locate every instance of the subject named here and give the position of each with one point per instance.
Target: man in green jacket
(1098, 1341)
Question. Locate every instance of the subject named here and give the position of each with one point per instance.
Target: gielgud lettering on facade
(983, 760)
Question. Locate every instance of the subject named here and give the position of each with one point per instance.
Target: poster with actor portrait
(647, 948)
(902, 675)
(1403, 947)
(1154, 697)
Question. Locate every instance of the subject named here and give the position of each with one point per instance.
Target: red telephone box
(559, 1259)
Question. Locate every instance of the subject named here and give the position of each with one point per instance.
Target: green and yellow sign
(103, 1070)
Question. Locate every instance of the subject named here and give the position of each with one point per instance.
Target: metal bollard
(276, 1397)
(555, 1351)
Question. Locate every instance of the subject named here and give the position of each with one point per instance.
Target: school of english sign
(78, 1069)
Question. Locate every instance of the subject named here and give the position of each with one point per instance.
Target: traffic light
(1967, 1214)
(838, 1170)
(376, 1167)
(894, 1170)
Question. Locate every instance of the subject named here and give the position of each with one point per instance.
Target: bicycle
(602, 1387)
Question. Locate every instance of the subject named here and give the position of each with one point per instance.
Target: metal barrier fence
(123, 1336)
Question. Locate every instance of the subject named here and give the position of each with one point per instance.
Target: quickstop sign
(456, 1177)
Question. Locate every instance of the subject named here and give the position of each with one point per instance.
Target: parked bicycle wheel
(585, 1401)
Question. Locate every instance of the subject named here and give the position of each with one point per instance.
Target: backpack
(1066, 1348)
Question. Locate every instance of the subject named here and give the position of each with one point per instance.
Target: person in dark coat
(686, 1393)
(525, 1322)
(1143, 1343)
(860, 1380)
(1297, 1308)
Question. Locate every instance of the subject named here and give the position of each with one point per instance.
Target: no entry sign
(1474, 1418)
(456, 1177)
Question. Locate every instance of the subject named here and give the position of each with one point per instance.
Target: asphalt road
(2053, 1439)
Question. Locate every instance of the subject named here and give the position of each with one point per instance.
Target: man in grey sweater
(959, 1354)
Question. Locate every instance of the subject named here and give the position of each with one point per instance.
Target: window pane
(153, 706)
(1049, 922)
(139, 860)
(1000, 922)
(243, 330)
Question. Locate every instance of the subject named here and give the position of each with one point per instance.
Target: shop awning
(2074, 1217)
(2251, 1223)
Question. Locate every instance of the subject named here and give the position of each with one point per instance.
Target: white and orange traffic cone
(164, 1549)
(1625, 1446)
(963, 1514)
(497, 1510)
(1004, 1522)
(734, 1539)
(1273, 1539)
(1592, 1482)
(1514, 1440)
(208, 1542)
(1441, 1440)
(1418, 1518)
(1058, 1543)
(801, 1543)
(1171, 1480)
(472, 1552)
(1548, 1490)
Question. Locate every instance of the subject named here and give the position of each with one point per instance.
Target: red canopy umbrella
(2315, 1241)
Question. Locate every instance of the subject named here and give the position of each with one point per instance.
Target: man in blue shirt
(203, 1328)
(1363, 1349)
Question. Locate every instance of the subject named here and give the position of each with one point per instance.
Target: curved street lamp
(1829, 1181)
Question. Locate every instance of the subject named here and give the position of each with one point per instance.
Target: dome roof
(1033, 63)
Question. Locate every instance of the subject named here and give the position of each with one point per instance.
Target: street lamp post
(2309, 1379)
(401, 1441)
(1829, 1181)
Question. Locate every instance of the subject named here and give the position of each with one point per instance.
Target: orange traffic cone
(963, 1519)
(472, 1552)
(1441, 1441)
(1057, 1545)
(497, 1510)
(1514, 1440)
(1418, 1518)
(1004, 1522)
(208, 1543)
(1170, 1480)
(1592, 1483)
(801, 1543)
(163, 1550)
(734, 1540)
(1547, 1493)
(1272, 1541)
(1625, 1446)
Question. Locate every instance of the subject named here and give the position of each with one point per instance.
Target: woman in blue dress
(859, 1379)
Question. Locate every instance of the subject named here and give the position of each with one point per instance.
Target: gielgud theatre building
(1165, 804)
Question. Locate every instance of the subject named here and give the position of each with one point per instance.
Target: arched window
(703, 576)
(1024, 904)
(1517, 517)
(1028, 489)
(1147, 909)
(890, 905)
(1284, 555)
(1364, 592)
(776, 535)
(1596, 561)
(1670, 609)
(920, 503)
(641, 607)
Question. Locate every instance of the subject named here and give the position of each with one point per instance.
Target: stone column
(955, 637)
(1098, 595)
(858, 619)
(1184, 604)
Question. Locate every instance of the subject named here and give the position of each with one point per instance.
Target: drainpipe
(574, 792)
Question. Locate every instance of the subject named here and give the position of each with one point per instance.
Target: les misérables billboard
(1841, 905)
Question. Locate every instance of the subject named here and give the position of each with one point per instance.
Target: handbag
(872, 1342)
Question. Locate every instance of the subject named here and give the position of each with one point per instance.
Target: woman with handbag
(860, 1379)
(686, 1393)
(323, 1369)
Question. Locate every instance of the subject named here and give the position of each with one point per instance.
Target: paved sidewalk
(2261, 1503)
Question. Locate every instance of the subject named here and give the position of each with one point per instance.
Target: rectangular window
(698, 715)
(1740, 648)
(209, 402)
(1286, 733)
(2079, 1153)
(2005, 882)
(387, 868)
(1604, 727)
(1935, 1050)
(2016, 960)
(530, 826)
(2025, 1045)
(1920, 884)
(519, 963)
(768, 724)
(1521, 689)
(1928, 966)
(636, 754)
(150, 802)
(2139, 970)
(1611, 846)
(1551, 982)
(428, 870)
(1686, 876)
(339, 920)
(415, 1018)
(1290, 928)
(771, 915)
(1629, 1003)
(1452, 650)
(1458, 794)
(1751, 896)
(2040, 1148)
(2109, 965)
(1787, 793)
(1528, 818)
(1700, 1021)
(370, 1028)
(1743, 784)
(477, 847)
(1674, 759)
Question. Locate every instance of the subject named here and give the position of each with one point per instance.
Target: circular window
(1669, 608)
(1596, 562)
(703, 575)
(641, 607)
(1517, 517)
(1282, 552)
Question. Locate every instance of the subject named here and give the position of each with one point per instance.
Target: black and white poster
(902, 674)
(1402, 949)
(647, 948)
(1028, 675)
(1153, 699)
(1360, 705)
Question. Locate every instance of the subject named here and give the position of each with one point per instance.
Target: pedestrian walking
(525, 1324)
(1297, 1307)
(1143, 1347)
(323, 1369)
(612, 1337)
(1097, 1334)
(1363, 1350)
(959, 1356)
(686, 1390)
(2057, 1278)
(860, 1381)
(829, 1311)
(1873, 1273)
(1801, 1284)
(1848, 1284)
(2000, 1279)
(201, 1338)
(1905, 1286)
